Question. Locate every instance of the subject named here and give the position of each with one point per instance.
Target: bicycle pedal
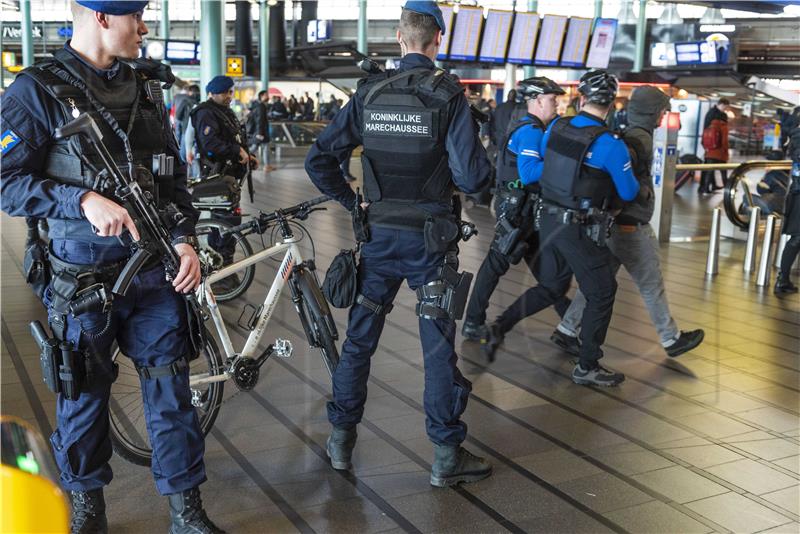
(283, 348)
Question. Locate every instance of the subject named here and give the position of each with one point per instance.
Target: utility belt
(596, 222)
(75, 289)
(516, 217)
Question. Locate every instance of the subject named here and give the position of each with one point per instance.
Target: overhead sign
(234, 66)
(15, 32)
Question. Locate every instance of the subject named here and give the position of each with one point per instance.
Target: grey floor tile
(788, 499)
(770, 449)
(346, 516)
(575, 522)
(517, 497)
(680, 484)
(772, 418)
(738, 513)
(557, 466)
(629, 458)
(657, 518)
(441, 510)
(715, 425)
(789, 528)
(704, 455)
(752, 476)
(791, 463)
(729, 401)
(604, 492)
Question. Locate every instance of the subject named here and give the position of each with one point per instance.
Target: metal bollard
(779, 251)
(765, 264)
(752, 240)
(712, 261)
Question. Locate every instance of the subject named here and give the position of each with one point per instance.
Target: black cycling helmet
(530, 88)
(599, 87)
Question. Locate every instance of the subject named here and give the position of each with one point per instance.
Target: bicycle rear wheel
(236, 284)
(323, 334)
(129, 436)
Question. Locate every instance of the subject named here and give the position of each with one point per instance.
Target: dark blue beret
(219, 84)
(115, 7)
(427, 8)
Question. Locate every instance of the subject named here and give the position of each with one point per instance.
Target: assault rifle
(155, 240)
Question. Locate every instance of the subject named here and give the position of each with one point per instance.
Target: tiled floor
(707, 442)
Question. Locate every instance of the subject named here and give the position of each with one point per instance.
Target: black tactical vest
(404, 127)
(506, 171)
(136, 103)
(229, 128)
(566, 181)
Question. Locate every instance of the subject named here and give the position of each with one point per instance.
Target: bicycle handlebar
(265, 218)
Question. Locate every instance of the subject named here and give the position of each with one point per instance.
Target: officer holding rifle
(95, 294)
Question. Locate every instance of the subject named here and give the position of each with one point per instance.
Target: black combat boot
(340, 446)
(453, 464)
(492, 342)
(88, 512)
(784, 286)
(474, 332)
(569, 344)
(188, 515)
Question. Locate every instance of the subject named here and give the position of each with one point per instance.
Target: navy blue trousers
(390, 257)
(149, 323)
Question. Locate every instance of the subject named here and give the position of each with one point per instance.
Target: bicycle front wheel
(129, 436)
(236, 284)
(323, 332)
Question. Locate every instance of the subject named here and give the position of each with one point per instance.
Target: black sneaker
(599, 376)
(474, 332)
(569, 344)
(492, 342)
(686, 342)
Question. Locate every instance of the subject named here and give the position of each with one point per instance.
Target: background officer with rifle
(222, 150)
(420, 142)
(584, 176)
(94, 154)
(515, 237)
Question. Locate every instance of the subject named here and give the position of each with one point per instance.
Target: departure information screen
(182, 52)
(447, 13)
(496, 35)
(574, 54)
(467, 34)
(523, 38)
(551, 36)
(605, 31)
(687, 53)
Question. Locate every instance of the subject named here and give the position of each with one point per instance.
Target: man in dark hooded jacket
(633, 242)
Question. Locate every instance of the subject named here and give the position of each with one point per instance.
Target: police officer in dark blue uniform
(585, 173)
(64, 181)
(515, 237)
(419, 143)
(222, 149)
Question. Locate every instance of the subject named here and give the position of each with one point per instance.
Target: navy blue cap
(115, 7)
(219, 84)
(424, 7)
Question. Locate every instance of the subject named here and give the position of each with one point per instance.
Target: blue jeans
(387, 259)
(149, 323)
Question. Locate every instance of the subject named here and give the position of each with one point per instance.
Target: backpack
(712, 137)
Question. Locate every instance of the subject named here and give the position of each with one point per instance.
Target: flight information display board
(467, 34)
(551, 36)
(574, 54)
(605, 31)
(523, 38)
(182, 52)
(447, 14)
(694, 53)
(496, 35)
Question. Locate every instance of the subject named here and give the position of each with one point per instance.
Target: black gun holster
(445, 297)
(516, 215)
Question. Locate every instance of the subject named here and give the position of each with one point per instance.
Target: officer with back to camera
(514, 237)
(222, 148)
(61, 180)
(632, 241)
(584, 173)
(419, 142)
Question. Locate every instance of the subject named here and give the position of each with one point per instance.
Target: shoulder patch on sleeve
(8, 140)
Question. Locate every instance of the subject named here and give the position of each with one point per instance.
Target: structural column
(362, 26)
(641, 26)
(263, 37)
(533, 5)
(211, 39)
(164, 30)
(598, 9)
(27, 33)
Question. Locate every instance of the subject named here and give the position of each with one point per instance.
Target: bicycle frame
(291, 258)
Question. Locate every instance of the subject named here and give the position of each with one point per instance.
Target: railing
(731, 193)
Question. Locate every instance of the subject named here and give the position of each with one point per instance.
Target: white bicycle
(210, 370)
